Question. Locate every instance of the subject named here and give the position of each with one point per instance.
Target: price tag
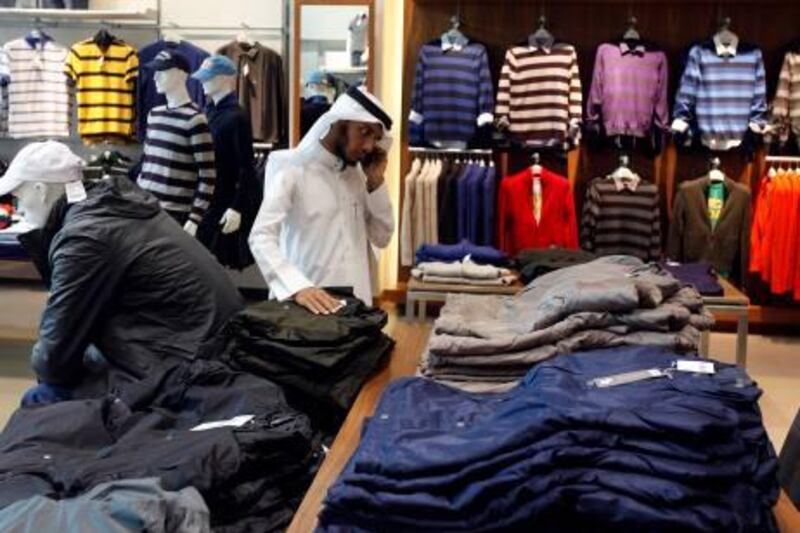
(246, 70)
(700, 367)
(236, 421)
(537, 199)
(75, 192)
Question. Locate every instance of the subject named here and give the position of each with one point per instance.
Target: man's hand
(374, 166)
(317, 301)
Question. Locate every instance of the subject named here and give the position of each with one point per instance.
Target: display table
(420, 293)
(735, 302)
(412, 338)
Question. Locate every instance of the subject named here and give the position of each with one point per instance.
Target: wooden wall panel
(674, 25)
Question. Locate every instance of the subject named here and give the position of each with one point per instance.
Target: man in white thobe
(325, 205)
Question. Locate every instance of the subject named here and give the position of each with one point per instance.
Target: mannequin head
(219, 87)
(170, 81)
(37, 177)
(35, 200)
(218, 76)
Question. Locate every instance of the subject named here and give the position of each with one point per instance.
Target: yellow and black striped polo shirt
(105, 83)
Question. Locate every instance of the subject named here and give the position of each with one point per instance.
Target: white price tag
(236, 421)
(75, 192)
(246, 70)
(701, 367)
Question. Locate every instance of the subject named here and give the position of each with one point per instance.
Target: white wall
(327, 23)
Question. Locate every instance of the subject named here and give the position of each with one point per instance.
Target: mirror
(331, 53)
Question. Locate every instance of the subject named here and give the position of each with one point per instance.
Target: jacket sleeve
(283, 278)
(575, 93)
(203, 154)
(589, 218)
(758, 108)
(82, 283)
(744, 243)
(486, 94)
(655, 235)
(676, 228)
(245, 158)
(379, 216)
(779, 116)
(417, 114)
(686, 98)
(570, 223)
(503, 107)
(407, 219)
(758, 229)
(503, 216)
(594, 104)
(661, 102)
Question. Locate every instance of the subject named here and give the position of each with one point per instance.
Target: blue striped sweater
(721, 96)
(452, 93)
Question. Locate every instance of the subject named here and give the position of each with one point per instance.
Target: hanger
(453, 36)
(242, 36)
(631, 34)
(537, 166)
(103, 37)
(541, 38)
(724, 34)
(715, 174)
(623, 171)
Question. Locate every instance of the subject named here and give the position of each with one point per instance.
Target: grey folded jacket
(464, 269)
(612, 301)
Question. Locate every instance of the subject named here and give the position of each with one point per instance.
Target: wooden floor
(411, 340)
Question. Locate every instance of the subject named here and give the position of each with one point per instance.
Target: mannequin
(218, 88)
(35, 200)
(172, 84)
(178, 163)
(234, 205)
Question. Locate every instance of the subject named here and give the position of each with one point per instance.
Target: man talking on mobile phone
(326, 205)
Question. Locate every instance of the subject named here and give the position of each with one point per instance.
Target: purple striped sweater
(629, 90)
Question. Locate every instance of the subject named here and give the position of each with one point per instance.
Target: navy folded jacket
(686, 453)
(456, 252)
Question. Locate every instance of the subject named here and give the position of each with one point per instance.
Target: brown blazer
(691, 238)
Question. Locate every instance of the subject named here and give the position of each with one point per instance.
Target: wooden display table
(412, 339)
(735, 302)
(420, 293)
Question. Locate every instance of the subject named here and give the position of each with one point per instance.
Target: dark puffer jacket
(124, 277)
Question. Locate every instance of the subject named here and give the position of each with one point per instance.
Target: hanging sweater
(786, 105)
(517, 228)
(622, 218)
(178, 165)
(452, 92)
(539, 95)
(722, 94)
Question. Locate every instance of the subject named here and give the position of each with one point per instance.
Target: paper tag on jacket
(626, 377)
(236, 421)
(702, 367)
(75, 192)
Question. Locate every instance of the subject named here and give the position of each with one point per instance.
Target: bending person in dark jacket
(123, 277)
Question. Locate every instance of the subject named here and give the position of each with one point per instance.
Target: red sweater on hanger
(517, 228)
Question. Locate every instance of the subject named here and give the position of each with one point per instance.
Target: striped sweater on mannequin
(178, 165)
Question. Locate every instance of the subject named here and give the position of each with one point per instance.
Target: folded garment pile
(701, 276)
(232, 436)
(116, 506)
(321, 361)
(570, 449)
(464, 272)
(538, 262)
(487, 343)
(484, 255)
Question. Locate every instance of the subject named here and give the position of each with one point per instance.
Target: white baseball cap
(42, 162)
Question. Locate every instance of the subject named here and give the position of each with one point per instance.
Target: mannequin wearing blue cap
(237, 195)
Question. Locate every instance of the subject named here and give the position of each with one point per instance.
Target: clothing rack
(782, 159)
(472, 151)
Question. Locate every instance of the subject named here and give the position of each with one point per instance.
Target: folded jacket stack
(487, 343)
(557, 453)
(484, 255)
(464, 272)
(533, 263)
(320, 361)
(251, 472)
